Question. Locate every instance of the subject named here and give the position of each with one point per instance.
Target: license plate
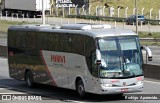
(124, 90)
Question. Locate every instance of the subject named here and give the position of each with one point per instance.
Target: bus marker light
(124, 90)
(115, 81)
(139, 78)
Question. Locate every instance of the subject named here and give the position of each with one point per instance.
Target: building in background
(72, 4)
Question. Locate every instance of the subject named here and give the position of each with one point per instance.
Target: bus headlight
(139, 82)
(107, 85)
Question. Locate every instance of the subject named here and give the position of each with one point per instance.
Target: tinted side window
(65, 43)
(31, 40)
(53, 41)
(21, 39)
(89, 45)
(78, 44)
(42, 39)
(89, 49)
(12, 38)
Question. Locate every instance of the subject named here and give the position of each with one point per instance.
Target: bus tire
(80, 89)
(29, 79)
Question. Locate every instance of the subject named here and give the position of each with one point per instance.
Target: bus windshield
(120, 57)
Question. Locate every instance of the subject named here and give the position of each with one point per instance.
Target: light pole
(136, 16)
(90, 9)
(83, 11)
(159, 14)
(69, 10)
(150, 16)
(51, 4)
(43, 13)
(134, 9)
(126, 12)
(118, 11)
(104, 10)
(142, 11)
(76, 12)
(97, 10)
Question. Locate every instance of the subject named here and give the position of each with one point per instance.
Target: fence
(114, 22)
(103, 11)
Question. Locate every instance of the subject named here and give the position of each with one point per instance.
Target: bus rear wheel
(80, 89)
(29, 79)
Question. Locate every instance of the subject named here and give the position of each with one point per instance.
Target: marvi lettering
(58, 59)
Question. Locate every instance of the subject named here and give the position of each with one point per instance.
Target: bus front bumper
(124, 89)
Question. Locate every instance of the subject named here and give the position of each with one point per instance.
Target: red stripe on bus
(53, 82)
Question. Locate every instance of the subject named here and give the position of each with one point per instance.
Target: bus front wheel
(29, 79)
(80, 89)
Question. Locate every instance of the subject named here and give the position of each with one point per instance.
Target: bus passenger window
(42, 39)
(78, 44)
(53, 42)
(21, 40)
(12, 38)
(31, 40)
(65, 43)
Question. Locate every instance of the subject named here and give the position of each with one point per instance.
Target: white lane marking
(74, 101)
(29, 92)
(78, 102)
(35, 93)
(13, 93)
(151, 82)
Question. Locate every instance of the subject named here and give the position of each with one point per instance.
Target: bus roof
(85, 26)
(93, 30)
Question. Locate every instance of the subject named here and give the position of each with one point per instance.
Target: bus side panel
(19, 63)
(66, 67)
(15, 55)
(23, 55)
(57, 67)
(48, 67)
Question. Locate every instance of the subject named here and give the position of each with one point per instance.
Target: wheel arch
(81, 90)
(79, 78)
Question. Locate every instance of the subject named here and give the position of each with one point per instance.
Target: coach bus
(88, 58)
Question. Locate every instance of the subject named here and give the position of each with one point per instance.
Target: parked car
(132, 19)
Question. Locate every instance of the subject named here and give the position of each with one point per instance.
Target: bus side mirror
(98, 57)
(148, 52)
